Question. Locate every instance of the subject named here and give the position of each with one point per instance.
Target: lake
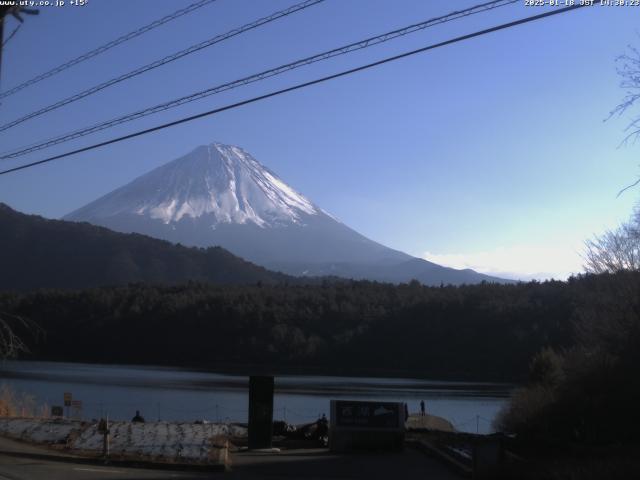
(178, 394)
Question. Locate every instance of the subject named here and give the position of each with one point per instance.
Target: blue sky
(490, 153)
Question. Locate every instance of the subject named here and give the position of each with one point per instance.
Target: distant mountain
(220, 195)
(40, 253)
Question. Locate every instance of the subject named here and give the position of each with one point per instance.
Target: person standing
(422, 408)
(138, 418)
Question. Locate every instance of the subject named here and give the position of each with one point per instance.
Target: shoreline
(238, 371)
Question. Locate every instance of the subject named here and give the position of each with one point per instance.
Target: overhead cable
(299, 86)
(366, 43)
(107, 46)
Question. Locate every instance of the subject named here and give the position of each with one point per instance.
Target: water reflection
(175, 394)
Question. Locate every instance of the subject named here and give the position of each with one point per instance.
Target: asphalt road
(323, 465)
(16, 468)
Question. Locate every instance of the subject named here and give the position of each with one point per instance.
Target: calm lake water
(176, 394)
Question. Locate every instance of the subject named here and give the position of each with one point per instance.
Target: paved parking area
(320, 464)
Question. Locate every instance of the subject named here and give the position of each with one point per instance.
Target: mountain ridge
(219, 194)
(37, 252)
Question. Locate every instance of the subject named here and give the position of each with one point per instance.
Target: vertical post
(260, 411)
(107, 438)
(1, 41)
(103, 427)
(477, 423)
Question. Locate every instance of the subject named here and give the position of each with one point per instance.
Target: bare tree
(628, 68)
(12, 343)
(615, 250)
(619, 250)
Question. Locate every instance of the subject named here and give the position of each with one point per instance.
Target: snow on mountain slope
(222, 181)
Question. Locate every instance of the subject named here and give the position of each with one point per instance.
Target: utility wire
(163, 61)
(301, 85)
(257, 77)
(15, 30)
(107, 46)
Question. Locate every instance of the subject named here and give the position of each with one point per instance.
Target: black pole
(3, 11)
(260, 411)
(1, 42)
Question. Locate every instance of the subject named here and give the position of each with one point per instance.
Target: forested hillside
(487, 331)
(40, 253)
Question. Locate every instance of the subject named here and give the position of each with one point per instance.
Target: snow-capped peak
(219, 180)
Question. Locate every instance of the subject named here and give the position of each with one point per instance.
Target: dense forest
(484, 332)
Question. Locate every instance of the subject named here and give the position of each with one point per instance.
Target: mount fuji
(220, 195)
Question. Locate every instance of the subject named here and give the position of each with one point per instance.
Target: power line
(163, 61)
(301, 85)
(107, 46)
(366, 43)
(15, 30)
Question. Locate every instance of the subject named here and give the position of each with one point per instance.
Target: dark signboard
(56, 411)
(367, 414)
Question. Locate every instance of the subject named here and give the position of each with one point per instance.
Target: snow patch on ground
(158, 441)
